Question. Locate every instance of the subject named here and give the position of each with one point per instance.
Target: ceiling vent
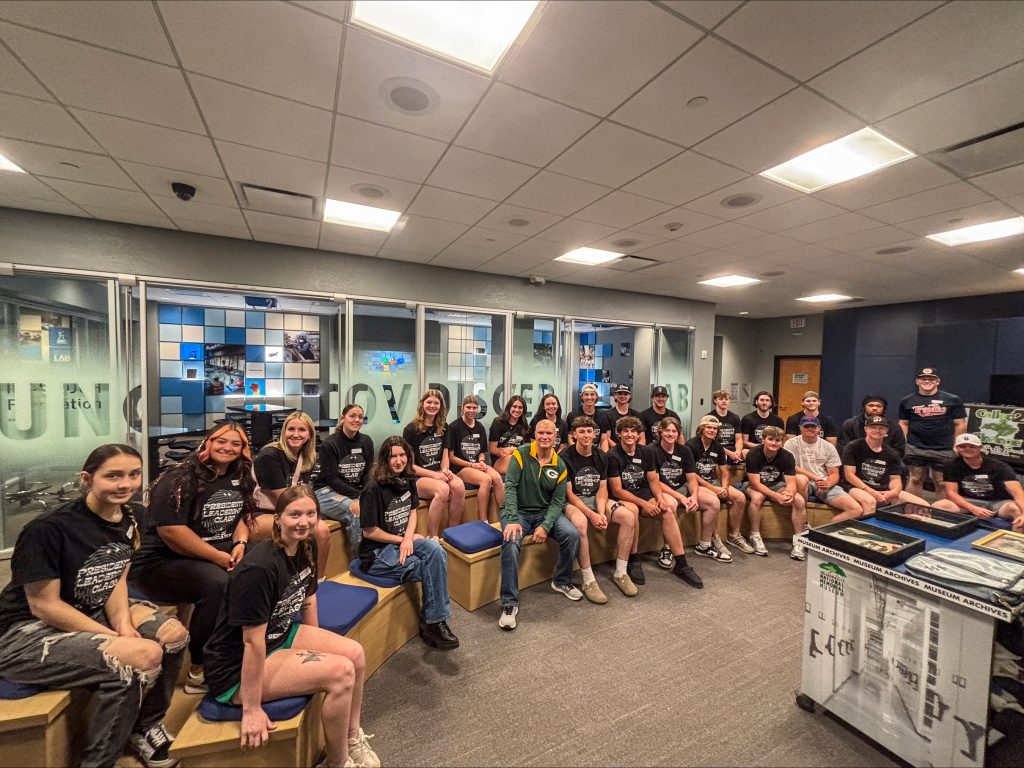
(741, 200)
(984, 154)
(632, 263)
(279, 201)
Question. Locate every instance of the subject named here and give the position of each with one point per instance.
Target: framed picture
(946, 525)
(1005, 543)
(868, 542)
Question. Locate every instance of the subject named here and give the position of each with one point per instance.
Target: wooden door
(793, 377)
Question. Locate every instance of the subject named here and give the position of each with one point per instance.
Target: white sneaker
(569, 590)
(507, 620)
(360, 753)
(758, 544)
(797, 552)
(724, 555)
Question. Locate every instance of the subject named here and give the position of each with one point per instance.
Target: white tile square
(501, 217)
(293, 322)
(255, 370)
(170, 369)
(555, 193)
(254, 336)
(170, 332)
(293, 370)
(234, 318)
(906, 178)
(378, 149)
(310, 370)
(613, 155)
(945, 198)
(42, 122)
(18, 80)
(684, 178)
(192, 333)
(273, 320)
(247, 165)
(170, 350)
(621, 209)
(343, 183)
(57, 163)
(473, 173)
(274, 387)
(450, 206)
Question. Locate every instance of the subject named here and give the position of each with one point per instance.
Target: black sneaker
(687, 574)
(439, 636)
(153, 747)
(635, 571)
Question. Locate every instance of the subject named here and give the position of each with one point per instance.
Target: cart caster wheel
(805, 702)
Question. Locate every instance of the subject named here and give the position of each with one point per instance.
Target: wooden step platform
(40, 730)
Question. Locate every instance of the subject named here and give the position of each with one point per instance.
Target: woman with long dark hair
(201, 516)
(551, 409)
(508, 431)
(65, 619)
(345, 459)
(434, 478)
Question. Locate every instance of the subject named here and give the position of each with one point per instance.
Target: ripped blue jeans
(126, 699)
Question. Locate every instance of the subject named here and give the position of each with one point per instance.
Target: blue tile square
(480, 333)
(169, 314)
(591, 375)
(194, 423)
(214, 403)
(293, 386)
(170, 387)
(215, 334)
(170, 404)
(193, 315)
(234, 335)
(214, 317)
(192, 351)
(192, 398)
(255, 320)
(538, 337)
(274, 370)
(254, 354)
(273, 338)
(588, 338)
(548, 337)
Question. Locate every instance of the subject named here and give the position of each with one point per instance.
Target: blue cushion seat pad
(339, 607)
(356, 569)
(474, 536)
(10, 690)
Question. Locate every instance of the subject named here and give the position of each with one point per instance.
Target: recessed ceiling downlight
(626, 243)
(371, 191)
(697, 102)
(518, 221)
(409, 95)
(741, 200)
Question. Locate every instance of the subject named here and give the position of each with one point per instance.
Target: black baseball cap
(928, 373)
(659, 390)
(622, 389)
(876, 421)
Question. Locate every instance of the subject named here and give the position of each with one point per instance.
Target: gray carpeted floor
(675, 676)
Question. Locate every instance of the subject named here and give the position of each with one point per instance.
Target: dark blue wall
(877, 350)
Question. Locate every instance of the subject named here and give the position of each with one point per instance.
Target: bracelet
(243, 542)
(615, 505)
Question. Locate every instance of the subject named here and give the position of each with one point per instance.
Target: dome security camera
(537, 280)
(184, 191)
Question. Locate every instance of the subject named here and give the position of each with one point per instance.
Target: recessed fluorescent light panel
(7, 165)
(477, 33)
(589, 256)
(1019, 271)
(979, 233)
(858, 154)
(823, 297)
(363, 216)
(730, 281)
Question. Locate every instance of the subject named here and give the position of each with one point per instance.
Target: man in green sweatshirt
(534, 504)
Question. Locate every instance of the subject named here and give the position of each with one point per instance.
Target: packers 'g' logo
(551, 473)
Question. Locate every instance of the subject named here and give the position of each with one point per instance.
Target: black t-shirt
(561, 430)
(650, 419)
(631, 470)
(610, 417)
(931, 418)
(218, 508)
(706, 460)
(585, 472)
(599, 423)
(468, 443)
(730, 425)
(268, 587)
(752, 425)
(86, 554)
(345, 463)
(987, 482)
(274, 469)
(427, 447)
(874, 469)
(673, 468)
(387, 507)
(828, 425)
(509, 435)
(772, 470)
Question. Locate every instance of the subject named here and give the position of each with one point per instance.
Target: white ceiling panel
(246, 165)
(804, 254)
(128, 27)
(156, 219)
(157, 183)
(676, 223)
(144, 143)
(722, 235)
(732, 84)
(450, 206)
(280, 238)
(270, 46)
(60, 163)
(1009, 181)
(791, 125)
(593, 56)
(81, 76)
(14, 78)
(45, 206)
(480, 238)
(871, 238)
(574, 232)
(343, 184)
(373, 68)
(683, 178)
(770, 194)
(1016, 202)
(622, 209)
(14, 185)
(707, 13)
(612, 155)
(245, 116)
(945, 198)
(804, 37)
(957, 218)
(378, 149)
(336, 237)
(204, 213)
(534, 251)
(282, 225)
(673, 250)
(901, 180)
(500, 217)
(977, 38)
(421, 236)
(336, 9)
(619, 241)
(519, 126)
(458, 256)
(795, 213)
(762, 246)
(555, 270)
(844, 224)
(473, 173)
(218, 230)
(90, 195)
(555, 193)
(22, 118)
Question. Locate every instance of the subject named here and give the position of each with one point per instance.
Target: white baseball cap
(967, 439)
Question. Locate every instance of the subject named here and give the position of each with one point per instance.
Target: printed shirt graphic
(468, 443)
(707, 459)
(219, 515)
(288, 605)
(673, 468)
(770, 470)
(987, 482)
(99, 575)
(728, 426)
(874, 469)
(631, 470)
(930, 419)
(387, 507)
(426, 447)
(351, 468)
(585, 472)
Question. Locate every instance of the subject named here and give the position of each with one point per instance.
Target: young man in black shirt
(658, 411)
(754, 423)
(812, 408)
(853, 428)
(620, 409)
(588, 407)
(771, 476)
(730, 426)
(871, 469)
(930, 418)
(981, 485)
(713, 474)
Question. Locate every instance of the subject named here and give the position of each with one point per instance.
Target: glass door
(609, 355)
(538, 361)
(675, 370)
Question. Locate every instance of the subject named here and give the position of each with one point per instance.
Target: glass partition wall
(538, 360)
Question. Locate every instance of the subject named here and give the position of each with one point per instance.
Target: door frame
(775, 376)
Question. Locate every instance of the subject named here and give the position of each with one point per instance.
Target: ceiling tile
(789, 126)
(673, 250)
(676, 223)
(351, 239)
(555, 193)
(419, 236)
(143, 219)
(273, 47)
(805, 37)
(533, 251)
(500, 217)
(479, 238)
(621, 209)
(343, 183)
(130, 140)
(377, 149)
(612, 155)
(92, 196)
(218, 230)
(336, 9)
(157, 183)
(520, 126)
(36, 204)
(129, 27)
(1016, 202)
(800, 254)
(373, 68)
(280, 238)
(906, 178)
(761, 246)
(707, 13)
(281, 225)
(450, 206)
(732, 83)
(722, 235)
(574, 232)
(457, 256)
(911, 66)
(463, 170)
(827, 229)
(872, 238)
(246, 165)
(59, 163)
(115, 83)
(944, 198)
(1009, 181)
(13, 185)
(683, 178)
(957, 218)
(771, 194)
(795, 213)
(556, 270)
(619, 241)
(195, 211)
(40, 121)
(245, 116)
(973, 110)
(14, 78)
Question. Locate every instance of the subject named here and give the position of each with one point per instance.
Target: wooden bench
(777, 521)
(41, 730)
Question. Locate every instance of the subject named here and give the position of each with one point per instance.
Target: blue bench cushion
(10, 690)
(475, 536)
(356, 569)
(339, 607)
(279, 709)
(470, 486)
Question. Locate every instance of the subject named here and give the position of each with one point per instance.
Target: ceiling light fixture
(589, 256)
(7, 165)
(858, 154)
(824, 297)
(470, 31)
(362, 216)
(1019, 271)
(730, 281)
(744, 313)
(991, 230)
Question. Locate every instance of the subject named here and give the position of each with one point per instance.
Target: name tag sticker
(637, 461)
(405, 496)
(676, 458)
(356, 450)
